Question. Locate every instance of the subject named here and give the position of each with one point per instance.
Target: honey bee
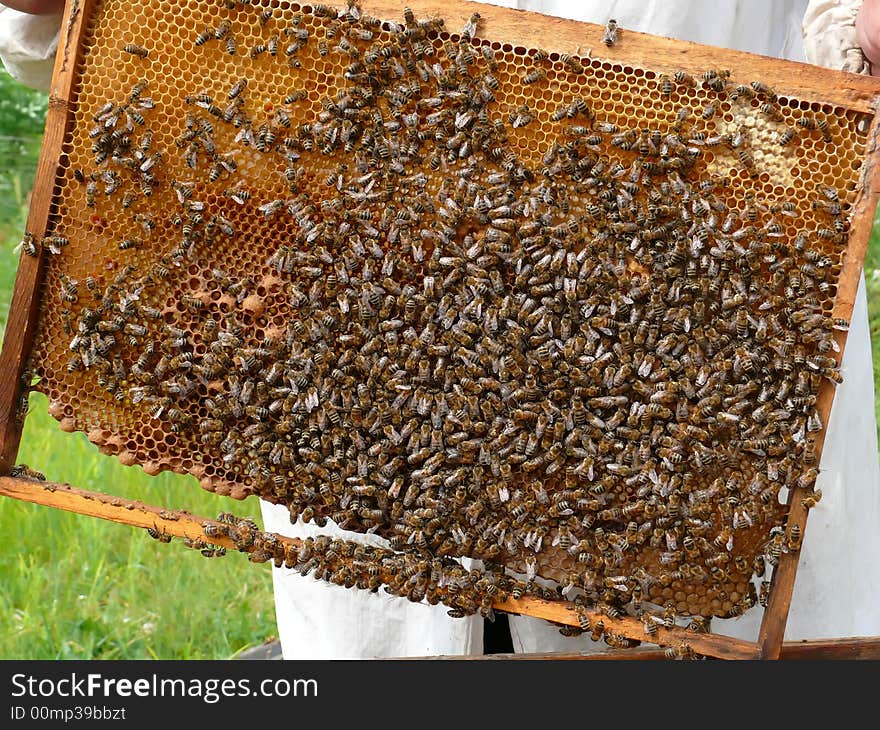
(572, 63)
(743, 91)
(91, 192)
(716, 79)
(162, 536)
(489, 57)
(321, 10)
(135, 116)
(772, 111)
(807, 479)
(213, 552)
(272, 45)
(23, 471)
(69, 288)
(812, 499)
(814, 123)
(775, 546)
(135, 50)
(611, 33)
(54, 244)
(237, 88)
(684, 79)
(534, 76)
(471, 27)
(539, 54)
(29, 244)
(764, 594)
(747, 161)
(625, 140)
(521, 117)
(222, 30)
(137, 330)
(794, 539)
(764, 90)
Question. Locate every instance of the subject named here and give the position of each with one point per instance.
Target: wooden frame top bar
(527, 29)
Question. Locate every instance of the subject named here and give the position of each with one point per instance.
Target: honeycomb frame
(854, 99)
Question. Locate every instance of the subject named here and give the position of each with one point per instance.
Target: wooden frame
(857, 93)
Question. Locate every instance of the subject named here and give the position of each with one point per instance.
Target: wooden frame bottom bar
(182, 524)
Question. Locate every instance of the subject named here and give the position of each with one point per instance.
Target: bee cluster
(446, 295)
(368, 567)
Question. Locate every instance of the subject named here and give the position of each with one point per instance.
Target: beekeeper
(838, 579)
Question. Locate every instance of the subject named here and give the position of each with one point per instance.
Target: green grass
(74, 587)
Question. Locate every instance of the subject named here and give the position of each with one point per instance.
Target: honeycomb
(563, 314)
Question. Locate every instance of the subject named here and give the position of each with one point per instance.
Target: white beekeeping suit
(838, 585)
(27, 46)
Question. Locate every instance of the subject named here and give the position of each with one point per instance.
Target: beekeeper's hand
(833, 34)
(868, 33)
(35, 7)
(29, 32)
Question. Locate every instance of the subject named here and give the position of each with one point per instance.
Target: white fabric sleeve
(829, 31)
(319, 620)
(27, 46)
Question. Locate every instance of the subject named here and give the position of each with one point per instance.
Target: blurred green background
(74, 587)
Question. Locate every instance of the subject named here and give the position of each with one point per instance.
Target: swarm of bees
(600, 367)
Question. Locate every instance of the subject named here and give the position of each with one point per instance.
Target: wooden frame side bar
(24, 308)
(771, 633)
(185, 525)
